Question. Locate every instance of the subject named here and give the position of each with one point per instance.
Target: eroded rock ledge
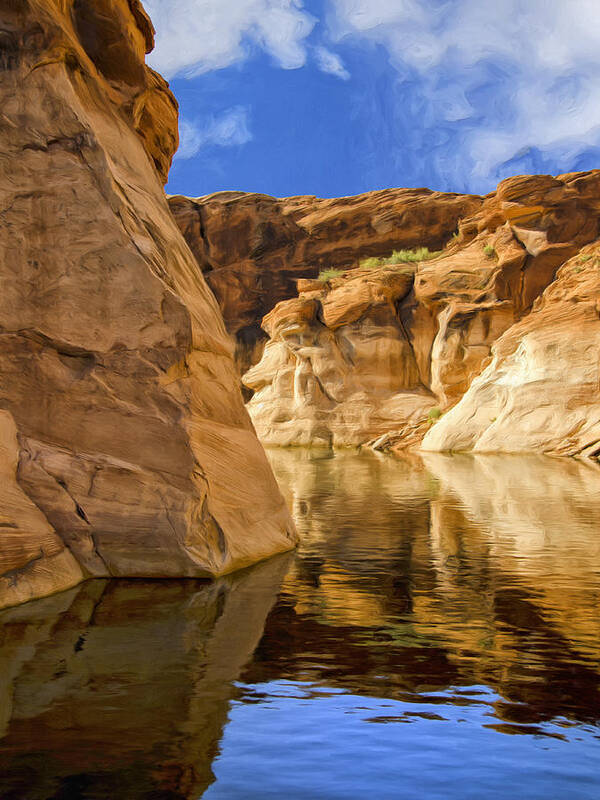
(253, 247)
(491, 346)
(126, 446)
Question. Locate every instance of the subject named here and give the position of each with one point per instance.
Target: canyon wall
(253, 247)
(380, 355)
(126, 446)
(540, 392)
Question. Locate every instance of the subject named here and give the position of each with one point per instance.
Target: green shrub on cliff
(412, 256)
(327, 274)
(371, 263)
(433, 414)
(401, 257)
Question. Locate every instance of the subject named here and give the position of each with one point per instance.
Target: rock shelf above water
(492, 345)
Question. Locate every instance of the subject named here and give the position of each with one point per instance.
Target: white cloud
(331, 63)
(196, 36)
(534, 62)
(228, 129)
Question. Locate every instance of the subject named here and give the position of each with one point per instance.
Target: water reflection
(434, 606)
(451, 570)
(121, 689)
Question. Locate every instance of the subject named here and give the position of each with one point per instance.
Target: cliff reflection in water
(444, 571)
(120, 689)
(450, 588)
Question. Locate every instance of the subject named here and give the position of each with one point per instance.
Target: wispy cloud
(511, 76)
(331, 63)
(228, 129)
(449, 93)
(196, 36)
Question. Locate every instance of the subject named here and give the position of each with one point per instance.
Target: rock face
(339, 368)
(540, 390)
(383, 352)
(127, 448)
(252, 247)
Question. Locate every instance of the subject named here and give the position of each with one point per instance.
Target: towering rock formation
(126, 446)
(253, 247)
(379, 354)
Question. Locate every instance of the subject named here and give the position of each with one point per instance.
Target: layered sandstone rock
(377, 355)
(540, 391)
(252, 247)
(339, 367)
(128, 448)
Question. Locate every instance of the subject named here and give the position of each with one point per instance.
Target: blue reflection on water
(303, 741)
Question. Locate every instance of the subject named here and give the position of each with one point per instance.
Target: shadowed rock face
(368, 356)
(252, 247)
(128, 448)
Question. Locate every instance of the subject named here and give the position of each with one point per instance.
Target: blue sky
(337, 97)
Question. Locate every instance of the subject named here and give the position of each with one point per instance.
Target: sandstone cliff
(379, 354)
(540, 390)
(126, 446)
(252, 247)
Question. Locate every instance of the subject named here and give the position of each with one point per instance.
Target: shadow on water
(120, 689)
(460, 590)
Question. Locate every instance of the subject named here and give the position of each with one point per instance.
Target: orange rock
(540, 390)
(388, 345)
(253, 248)
(131, 441)
(339, 368)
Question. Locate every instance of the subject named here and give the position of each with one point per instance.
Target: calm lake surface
(437, 635)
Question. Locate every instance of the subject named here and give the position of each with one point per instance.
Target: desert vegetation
(327, 274)
(401, 257)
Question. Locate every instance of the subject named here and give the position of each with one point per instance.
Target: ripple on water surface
(436, 635)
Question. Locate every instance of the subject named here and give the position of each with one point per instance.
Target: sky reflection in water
(436, 635)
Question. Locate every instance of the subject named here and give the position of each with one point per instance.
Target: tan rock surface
(339, 367)
(252, 247)
(33, 558)
(373, 351)
(115, 366)
(540, 391)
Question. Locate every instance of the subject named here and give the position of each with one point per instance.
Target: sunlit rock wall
(127, 446)
(252, 247)
(380, 355)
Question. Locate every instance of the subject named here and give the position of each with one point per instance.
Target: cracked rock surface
(128, 450)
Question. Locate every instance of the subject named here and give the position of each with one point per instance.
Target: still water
(436, 635)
